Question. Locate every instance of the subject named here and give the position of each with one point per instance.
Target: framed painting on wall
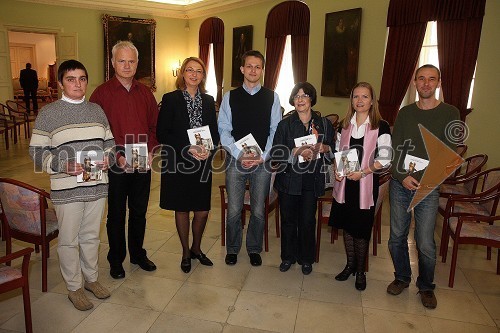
(141, 32)
(341, 52)
(242, 42)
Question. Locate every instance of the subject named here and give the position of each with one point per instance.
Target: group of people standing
(122, 111)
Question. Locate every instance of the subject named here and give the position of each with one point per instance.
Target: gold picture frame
(141, 32)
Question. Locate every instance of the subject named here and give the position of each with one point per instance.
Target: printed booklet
(91, 162)
(346, 161)
(310, 139)
(137, 155)
(248, 145)
(201, 136)
(413, 164)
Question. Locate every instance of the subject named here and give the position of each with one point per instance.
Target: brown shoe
(97, 289)
(396, 287)
(428, 299)
(79, 300)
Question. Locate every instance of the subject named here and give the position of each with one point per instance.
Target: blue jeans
(259, 178)
(425, 220)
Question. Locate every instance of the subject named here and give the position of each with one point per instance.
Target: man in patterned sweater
(63, 131)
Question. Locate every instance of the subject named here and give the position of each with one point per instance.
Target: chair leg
(318, 239)
(37, 248)
(44, 269)
(223, 227)
(27, 307)
(488, 252)
(266, 229)
(453, 263)
(498, 262)
(277, 219)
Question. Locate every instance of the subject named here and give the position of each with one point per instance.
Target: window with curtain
(429, 55)
(211, 37)
(287, 20)
(211, 83)
(285, 77)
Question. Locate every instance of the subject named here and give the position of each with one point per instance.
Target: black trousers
(298, 226)
(134, 187)
(30, 94)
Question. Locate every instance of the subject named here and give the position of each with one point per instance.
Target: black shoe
(231, 259)
(144, 263)
(307, 269)
(255, 259)
(285, 265)
(117, 271)
(344, 275)
(360, 281)
(186, 265)
(202, 258)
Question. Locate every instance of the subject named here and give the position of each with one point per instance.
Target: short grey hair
(121, 44)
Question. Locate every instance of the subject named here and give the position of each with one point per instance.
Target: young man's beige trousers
(78, 241)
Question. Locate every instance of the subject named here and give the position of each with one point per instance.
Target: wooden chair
(4, 129)
(476, 203)
(28, 218)
(8, 124)
(19, 118)
(13, 278)
(271, 203)
(479, 230)
(21, 109)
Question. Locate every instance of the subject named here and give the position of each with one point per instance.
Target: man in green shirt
(407, 140)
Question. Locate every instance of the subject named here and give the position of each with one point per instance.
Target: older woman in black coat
(186, 180)
(300, 179)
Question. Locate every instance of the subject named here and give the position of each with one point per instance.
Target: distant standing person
(29, 82)
(132, 112)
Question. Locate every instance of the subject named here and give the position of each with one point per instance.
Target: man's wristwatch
(363, 174)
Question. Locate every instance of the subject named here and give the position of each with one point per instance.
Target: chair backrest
(461, 149)
(334, 119)
(23, 206)
(471, 166)
(18, 107)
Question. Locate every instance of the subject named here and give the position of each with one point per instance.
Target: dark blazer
(288, 180)
(173, 120)
(28, 79)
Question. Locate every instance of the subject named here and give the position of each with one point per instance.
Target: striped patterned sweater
(61, 130)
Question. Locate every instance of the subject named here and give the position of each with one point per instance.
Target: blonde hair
(373, 113)
(180, 84)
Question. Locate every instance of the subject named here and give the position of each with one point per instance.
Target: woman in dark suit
(186, 180)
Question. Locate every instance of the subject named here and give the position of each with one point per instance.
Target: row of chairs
(13, 116)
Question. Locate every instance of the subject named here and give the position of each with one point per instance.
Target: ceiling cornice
(144, 7)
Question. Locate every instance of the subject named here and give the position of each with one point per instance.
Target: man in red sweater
(132, 113)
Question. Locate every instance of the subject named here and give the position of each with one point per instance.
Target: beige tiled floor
(243, 298)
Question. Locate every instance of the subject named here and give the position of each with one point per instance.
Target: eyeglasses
(194, 71)
(296, 97)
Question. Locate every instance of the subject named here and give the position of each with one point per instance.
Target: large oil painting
(141, 32)
(341, 52)
(242, 42)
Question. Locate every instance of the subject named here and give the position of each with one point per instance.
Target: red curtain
(274, 56)
(287, 18)
(212, 32)
(459, 31)
(401, 56)
(459, 34)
